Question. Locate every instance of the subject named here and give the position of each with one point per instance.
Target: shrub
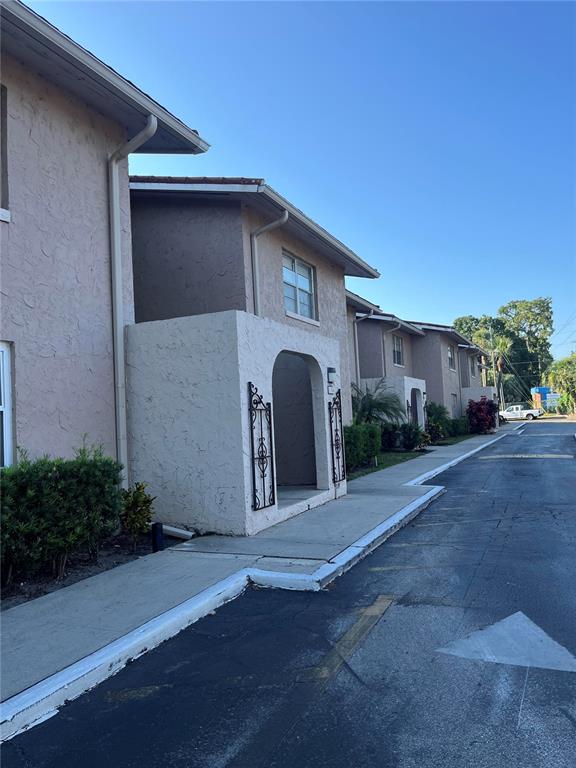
(373, 440)
(437, 414)
(362, 443)
(435, 432)
(481, 415)
(389, 437)
(137, 511)
(410, 436)
(52, 507)
(459, 426)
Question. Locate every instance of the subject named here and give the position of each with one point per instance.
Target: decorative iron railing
(262, 450)
(337, 438)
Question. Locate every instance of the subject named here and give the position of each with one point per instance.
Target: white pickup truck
(520, 412)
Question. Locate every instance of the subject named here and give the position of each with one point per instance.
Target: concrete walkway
(56, 641)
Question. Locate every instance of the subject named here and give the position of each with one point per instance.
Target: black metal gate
(262, 451)
(337, 438)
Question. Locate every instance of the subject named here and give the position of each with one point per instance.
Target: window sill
(304, 319)
(398, 365)
(4, 215)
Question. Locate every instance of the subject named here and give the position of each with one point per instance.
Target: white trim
(6, 403)
(5, 215)
(303, 318)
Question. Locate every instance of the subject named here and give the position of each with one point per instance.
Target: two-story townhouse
(451, 363)
(238, 362)
(383, 346)
(67, 125)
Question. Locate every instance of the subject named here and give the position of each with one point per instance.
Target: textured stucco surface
(370, 349)
(430, 362)
(389, 366)
(188, 419)
(188, 257)
(55, 266)
(331, 297)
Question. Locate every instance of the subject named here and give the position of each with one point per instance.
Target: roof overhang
(360, 304)
(452, 334)
(39, 45)
(260, 196)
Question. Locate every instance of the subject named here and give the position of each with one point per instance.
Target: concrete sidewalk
(57, 646)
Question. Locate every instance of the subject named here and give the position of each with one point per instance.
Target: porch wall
(188, 418)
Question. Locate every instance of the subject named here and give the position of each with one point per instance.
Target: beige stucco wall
(430, 362)
(370, 349)
(188, 416)
(188, 257)
(55, 265)
(389, 366)
(332, 316)
(352, 344)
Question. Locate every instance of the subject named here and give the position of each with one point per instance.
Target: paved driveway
(452, 645)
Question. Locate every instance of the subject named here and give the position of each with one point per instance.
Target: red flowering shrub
(481, 415)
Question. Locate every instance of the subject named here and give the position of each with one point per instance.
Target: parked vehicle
(521, 411)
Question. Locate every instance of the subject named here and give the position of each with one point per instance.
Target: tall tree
(562, 376)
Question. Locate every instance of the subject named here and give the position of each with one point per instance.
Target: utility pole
(493, 360)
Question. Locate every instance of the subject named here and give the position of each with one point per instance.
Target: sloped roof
(39, 45)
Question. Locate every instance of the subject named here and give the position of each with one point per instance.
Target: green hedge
(362, 442)
(52, 507)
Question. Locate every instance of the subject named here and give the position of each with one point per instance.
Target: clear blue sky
(435, 139)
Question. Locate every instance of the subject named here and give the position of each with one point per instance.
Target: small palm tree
(376, 405)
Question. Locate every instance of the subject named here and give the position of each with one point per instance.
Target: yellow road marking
(349, 641)
(527, 456)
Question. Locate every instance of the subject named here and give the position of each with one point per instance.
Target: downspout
(356, 351)
(254, 256)
(117, 299)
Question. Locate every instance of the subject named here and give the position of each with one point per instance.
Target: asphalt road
(355, 676)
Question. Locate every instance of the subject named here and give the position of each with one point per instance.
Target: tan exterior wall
(389, 365)
(352, 343)
(188, 257)
(55, 266)
(370, 350)
(430, 362)
(332, 317)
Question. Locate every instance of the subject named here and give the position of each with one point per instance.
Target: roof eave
(48, 35)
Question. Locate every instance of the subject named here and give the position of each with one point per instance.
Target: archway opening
(416, 407)
(294, 434)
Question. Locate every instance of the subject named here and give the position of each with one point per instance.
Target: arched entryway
(294, 428)
(416, 407)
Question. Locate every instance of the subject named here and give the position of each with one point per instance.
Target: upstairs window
(299, 287)
(473, 367)
(398, 350)
(5, 406)
(451, 358)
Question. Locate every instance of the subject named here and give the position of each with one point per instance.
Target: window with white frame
(451, 358)
(299, 287)
(472, 366)
(5, 406)
(397, 350)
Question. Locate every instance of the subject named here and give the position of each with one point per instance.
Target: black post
(157, 537)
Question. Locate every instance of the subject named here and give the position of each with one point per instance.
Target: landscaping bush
(459, 427)
(481, 415)
(362, 443)
(137, 511)
(389, 437)
(52, 507)
(435, 432)
(437, 414)
(410, 436)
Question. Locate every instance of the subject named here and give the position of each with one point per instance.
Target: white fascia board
(164, 187)
(39, 27)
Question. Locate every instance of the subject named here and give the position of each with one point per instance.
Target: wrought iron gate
(337, 438)
(262, 451)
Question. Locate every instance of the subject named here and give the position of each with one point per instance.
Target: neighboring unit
(384, 349)
(421, 362)
(66, 268)
(238, 375)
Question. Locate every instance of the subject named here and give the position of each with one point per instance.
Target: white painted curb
(42, 700)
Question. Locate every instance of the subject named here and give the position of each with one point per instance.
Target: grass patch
(385, 459)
